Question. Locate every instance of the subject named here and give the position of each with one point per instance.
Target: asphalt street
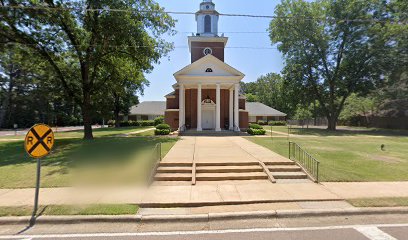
(374, 227)
(362, 232)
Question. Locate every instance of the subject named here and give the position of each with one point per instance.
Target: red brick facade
(197, 50)
(172, 117)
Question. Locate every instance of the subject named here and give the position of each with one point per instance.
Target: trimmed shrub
(162, 129)
(158, 120)
(255, 126)
(261, 122)
(125, 123)
(162, 132)
(146, 123)
(277, 123)
(254, 131)
(111, 123)
(163, 126)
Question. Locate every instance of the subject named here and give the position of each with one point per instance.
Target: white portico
(206, 74)
(206, 95)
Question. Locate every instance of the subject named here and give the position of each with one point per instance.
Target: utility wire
(193, 13)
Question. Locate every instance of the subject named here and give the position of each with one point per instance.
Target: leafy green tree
(358, 106)
(272, 90)
(326, 55)
(78, 39)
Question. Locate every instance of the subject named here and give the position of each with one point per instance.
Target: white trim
(172, 110)
(242, 110)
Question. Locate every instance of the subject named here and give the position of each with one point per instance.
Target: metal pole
(37, 191)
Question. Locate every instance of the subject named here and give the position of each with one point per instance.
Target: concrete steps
(289, 175)
(173, 177)
(181, 173)
(229, 169)
(284, 168)
(231, 176)
(175, 169)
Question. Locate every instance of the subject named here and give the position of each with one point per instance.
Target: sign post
(38, 143)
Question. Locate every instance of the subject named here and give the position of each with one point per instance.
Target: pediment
(208, 66)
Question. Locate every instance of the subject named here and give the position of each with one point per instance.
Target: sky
(252, 62)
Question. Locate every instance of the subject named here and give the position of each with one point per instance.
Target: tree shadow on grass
(74, 153)
(349, 132)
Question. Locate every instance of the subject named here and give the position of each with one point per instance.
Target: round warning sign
(39, 140)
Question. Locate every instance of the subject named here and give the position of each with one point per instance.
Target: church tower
(206, 40)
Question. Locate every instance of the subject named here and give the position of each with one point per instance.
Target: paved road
(353, 227)
(359, 232)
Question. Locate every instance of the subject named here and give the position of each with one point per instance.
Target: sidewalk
(215, 194)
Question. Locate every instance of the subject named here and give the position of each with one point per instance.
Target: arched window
(207, 24)
(208, 70)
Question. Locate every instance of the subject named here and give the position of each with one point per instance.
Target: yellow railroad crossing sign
(39, 140)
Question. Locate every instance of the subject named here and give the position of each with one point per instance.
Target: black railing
(155, 159)
(305, 160)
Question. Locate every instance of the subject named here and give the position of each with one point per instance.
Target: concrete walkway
(219, 149)
(245, 192)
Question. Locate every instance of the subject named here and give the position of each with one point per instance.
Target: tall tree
(330, 48)
(79, 38)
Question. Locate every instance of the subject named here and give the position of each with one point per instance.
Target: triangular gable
(218, 67)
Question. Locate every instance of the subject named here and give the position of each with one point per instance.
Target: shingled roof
(156, 108)
(260, 109)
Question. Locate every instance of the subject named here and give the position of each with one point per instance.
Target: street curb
(207, 217)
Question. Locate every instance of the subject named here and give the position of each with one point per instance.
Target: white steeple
(207, 19)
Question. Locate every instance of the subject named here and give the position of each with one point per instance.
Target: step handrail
(156, 159)
(309, 164)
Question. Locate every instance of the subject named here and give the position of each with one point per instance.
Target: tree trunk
(117, 111)
(86, 115)
(332, 123)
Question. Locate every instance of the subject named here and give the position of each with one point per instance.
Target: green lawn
(100, 132)
(380, 202)
(94, 209)
(108, 159)
(349, 155)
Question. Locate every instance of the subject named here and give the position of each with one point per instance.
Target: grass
(94, 209)
(108, 159)
(380, 202)
(99, 132)
(350, 155)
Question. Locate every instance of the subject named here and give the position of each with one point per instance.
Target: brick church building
(207, 92)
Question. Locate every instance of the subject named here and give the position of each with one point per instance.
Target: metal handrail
(156, 159)
(305, 160)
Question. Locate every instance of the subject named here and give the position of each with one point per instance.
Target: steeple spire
(207, 19)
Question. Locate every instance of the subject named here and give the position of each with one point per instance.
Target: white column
(231, 109)
(181, 107)
(236, 107)
(199, 128)
(218, 109)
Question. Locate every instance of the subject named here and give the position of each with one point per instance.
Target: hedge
(158, 120)
(261, 122)
(163, 126)
(131, 123)
(254, 131)
(162, 129)
(255, 126)
(162, 132)
(277, 123)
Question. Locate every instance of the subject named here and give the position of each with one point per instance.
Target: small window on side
(208, 70)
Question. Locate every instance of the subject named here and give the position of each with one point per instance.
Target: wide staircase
(190, 173)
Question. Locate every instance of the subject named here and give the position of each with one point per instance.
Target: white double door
(208, 118)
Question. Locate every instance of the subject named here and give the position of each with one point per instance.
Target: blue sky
(252, 62)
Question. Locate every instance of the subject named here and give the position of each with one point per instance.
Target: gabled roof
(209, 61)
(149, 108)
(260, 109)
